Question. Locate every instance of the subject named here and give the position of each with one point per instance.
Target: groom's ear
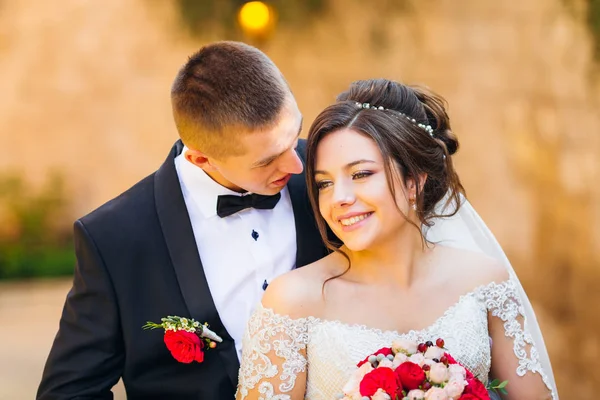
(199, 159)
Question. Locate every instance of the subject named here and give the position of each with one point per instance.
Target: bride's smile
(350, 221)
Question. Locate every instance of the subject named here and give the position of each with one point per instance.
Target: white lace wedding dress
(277, 348)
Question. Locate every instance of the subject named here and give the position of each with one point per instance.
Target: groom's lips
(283, 181)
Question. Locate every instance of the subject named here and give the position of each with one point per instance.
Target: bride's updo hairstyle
(410, 127)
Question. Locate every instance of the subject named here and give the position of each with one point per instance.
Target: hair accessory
(426, 128)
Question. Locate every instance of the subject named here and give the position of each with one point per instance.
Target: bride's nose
(343, 194)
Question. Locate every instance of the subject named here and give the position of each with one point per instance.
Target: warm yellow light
(254, 15)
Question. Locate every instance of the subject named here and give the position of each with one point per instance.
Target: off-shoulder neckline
(311, 320)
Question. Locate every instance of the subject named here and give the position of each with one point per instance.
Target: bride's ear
(199, 159)
(412, 184)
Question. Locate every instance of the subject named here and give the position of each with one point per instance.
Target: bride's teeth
(353, 220)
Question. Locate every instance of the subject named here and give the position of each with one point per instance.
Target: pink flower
(436, 393)
(404, 346)
(438, 373)
(416, 394)
(457, 371)
(455, 388)
(434, 352)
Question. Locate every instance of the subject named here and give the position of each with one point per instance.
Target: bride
(415, 262)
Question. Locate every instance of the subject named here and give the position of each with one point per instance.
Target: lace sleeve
(502, 301)
(273, 363)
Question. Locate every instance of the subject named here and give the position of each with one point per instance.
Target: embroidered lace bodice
(277, 348)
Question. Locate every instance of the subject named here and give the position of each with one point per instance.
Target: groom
(194, 239)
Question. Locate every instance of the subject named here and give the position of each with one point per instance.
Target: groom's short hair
(226, 89)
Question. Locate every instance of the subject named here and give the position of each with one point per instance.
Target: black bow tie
(229, 204)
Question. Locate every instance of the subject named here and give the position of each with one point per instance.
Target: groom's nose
(291, 163)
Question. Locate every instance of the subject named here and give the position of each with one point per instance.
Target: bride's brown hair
(405, 146)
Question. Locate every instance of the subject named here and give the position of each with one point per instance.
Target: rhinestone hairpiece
(426, 128)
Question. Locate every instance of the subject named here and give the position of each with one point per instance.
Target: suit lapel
(180, 241)
(309, 246)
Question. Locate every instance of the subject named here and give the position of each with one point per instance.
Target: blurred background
(85, 114)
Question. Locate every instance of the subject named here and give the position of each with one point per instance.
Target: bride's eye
(323, 184)
(361, 174)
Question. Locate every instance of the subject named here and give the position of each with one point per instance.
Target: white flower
(428, 362)
(380, 395)
(417, 359)
(405, 346)
(385, 363)
(438, 373)
(352, 387)
(416, 394)
(399, 358)
(434, 352)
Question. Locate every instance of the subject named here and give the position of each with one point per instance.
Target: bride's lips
(283, 181)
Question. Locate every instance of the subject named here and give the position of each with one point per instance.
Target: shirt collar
(203, 190)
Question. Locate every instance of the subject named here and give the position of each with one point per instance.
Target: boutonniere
(185, 338)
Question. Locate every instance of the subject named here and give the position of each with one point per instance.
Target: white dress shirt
(236, 264)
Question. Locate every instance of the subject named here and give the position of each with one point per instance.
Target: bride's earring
(413, 204)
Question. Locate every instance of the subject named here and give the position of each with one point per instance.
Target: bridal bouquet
(411, 371)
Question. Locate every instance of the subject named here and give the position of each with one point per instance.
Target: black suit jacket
(137, 261)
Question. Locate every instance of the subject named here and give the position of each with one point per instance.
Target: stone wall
(86, 91)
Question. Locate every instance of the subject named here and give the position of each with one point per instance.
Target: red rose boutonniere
(185, 338)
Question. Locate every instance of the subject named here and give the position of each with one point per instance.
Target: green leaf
(151, 325)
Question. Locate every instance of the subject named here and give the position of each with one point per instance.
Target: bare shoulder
(473, 268)
(297, 293)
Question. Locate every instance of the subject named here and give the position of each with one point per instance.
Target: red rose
(184, 346)
(384, 350)
(380, 378)
(476, 388)
(467, 397)
(411, 375)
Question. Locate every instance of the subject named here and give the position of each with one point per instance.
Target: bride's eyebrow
(348, 166)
